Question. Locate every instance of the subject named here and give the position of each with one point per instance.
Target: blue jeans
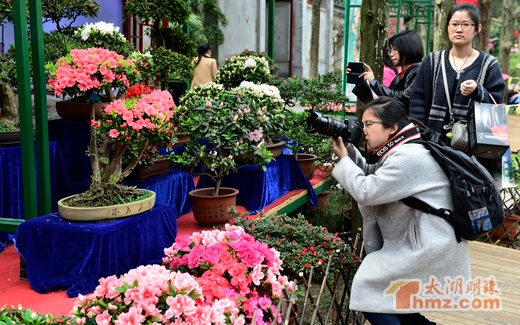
(396, 319)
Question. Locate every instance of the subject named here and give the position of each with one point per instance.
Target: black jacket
(399, 88)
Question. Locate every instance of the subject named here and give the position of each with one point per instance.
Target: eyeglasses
(368, 123)
(465, 26)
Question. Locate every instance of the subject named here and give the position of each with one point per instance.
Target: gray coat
(402, 243)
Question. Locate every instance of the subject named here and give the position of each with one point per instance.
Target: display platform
(62, 254)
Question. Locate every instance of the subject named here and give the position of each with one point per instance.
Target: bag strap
(448, 100)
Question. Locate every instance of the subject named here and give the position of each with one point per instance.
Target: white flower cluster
(250, 63)
(101, 26)
(262, 90)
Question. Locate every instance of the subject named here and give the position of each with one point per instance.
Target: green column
(40, 104)
(270, 45)
(25, 108)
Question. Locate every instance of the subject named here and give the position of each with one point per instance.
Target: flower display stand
(66, 255)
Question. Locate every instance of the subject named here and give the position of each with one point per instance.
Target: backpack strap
(419, 204)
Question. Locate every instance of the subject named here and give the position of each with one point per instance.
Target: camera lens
(350, 130)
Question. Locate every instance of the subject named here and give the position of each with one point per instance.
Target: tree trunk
(440, 39)
(485, 20)
(315, 39)
(506, 36)
(374, 34)
(8, 107)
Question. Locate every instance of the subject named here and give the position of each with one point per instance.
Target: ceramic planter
(211, 210)
(107, 212)
(77, 111)
(140, 173)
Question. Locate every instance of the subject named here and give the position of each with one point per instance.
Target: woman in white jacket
(413, 258)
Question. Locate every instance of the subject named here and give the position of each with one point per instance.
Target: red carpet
(15, 291)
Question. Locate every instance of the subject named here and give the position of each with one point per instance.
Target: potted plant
(9, 129)
(87, 76)
(103, 35)
(231, 263)
(152, 294)
(249, 67)
(133, 123)
(323, 94)
(301, 244)
(227, 127)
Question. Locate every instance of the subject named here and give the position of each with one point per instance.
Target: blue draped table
(61, 254)
(258, 189)
(11, 184)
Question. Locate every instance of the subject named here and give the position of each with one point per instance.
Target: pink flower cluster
(231, 263)
(133, 118)
(91, 69)
(153, 294)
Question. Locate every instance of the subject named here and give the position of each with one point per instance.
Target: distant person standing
(205, 66)
(406, 52)
(439, 97)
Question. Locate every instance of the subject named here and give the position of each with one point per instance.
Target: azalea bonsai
(228, 127)
(90, 74)
(127, 125)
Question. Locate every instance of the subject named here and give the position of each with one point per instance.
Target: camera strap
(410, 132)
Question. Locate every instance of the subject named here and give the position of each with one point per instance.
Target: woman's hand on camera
(339, 148)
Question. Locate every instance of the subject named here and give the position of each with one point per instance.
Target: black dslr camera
(349, 130)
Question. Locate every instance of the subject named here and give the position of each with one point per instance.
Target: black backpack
(477, 205)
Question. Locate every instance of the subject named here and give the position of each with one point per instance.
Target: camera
(349, 130)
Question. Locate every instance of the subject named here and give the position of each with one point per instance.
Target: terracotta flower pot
(276, 148)
(77, 111)
(212, 210)
(508, 230)
(307, 164)
(140, 173)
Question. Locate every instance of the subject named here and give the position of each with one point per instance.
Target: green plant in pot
(227, 128)
(249, 67)
(301, 142)
(301, 244)
(323, 94)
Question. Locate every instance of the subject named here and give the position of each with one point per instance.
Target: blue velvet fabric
(61, 254)
(258, 189)
(73, 138)
(11, 183)
(170, 189)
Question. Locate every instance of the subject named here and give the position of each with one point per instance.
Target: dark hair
(391, 111)
(202, 50)
(473, 12)
(409, 45)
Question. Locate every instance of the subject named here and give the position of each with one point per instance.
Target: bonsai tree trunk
(8, 107)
